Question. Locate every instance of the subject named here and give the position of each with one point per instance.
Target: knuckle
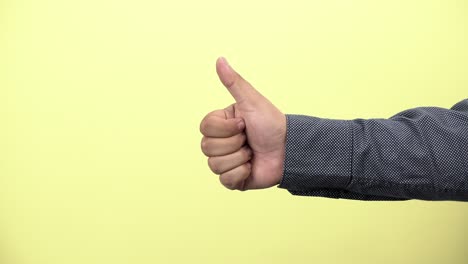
(204, 127)
(205, 146)
(227, 182)
(230, 186)
(214, 166)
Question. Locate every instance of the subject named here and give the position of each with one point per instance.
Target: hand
(245, 142)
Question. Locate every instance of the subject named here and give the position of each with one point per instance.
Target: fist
(244, 142)
(225, 144)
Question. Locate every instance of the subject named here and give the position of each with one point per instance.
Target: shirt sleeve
(420, 153)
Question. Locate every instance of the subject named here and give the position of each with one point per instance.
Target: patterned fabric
(420, 153)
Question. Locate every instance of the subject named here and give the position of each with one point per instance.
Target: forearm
(421, 153)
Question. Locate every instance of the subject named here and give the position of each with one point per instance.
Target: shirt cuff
(318, 154)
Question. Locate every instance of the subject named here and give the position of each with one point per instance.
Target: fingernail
(249, 153)
(241, 125)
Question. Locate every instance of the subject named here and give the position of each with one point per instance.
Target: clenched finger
(222, 146)
(222, 164)
(234, 178)
(219, 127)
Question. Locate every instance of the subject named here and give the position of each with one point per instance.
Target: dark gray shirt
(420, 153)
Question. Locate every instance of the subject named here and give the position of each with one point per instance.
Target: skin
(244, 142)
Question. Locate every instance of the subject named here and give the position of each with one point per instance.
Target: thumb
(240, 89)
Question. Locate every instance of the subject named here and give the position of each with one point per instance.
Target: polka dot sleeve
(420, 153)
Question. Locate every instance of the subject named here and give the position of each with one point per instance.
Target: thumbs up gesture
(244, 142)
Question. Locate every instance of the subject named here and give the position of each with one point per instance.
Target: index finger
(216, 124)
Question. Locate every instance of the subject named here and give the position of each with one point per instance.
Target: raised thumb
(240, 89)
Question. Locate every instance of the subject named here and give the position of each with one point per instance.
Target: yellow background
(100, 103)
